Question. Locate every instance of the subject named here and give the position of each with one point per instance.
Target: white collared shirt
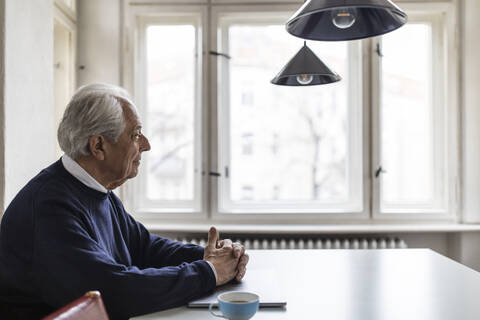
(81, 174)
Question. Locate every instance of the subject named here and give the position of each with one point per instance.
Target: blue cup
(236, 305)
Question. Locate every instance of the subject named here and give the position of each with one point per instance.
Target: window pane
(170, 112)
(286, 144)
(407, 115)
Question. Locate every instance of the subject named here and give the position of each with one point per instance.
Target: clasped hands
(228, 258)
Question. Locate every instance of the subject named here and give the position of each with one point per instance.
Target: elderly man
(66, 233)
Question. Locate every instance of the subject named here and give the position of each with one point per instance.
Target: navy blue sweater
(60, 239)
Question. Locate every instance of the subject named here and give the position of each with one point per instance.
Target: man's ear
(96, 145)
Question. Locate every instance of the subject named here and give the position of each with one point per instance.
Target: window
(247, 143)
(320, 168)
(413, 140)
(408, 123)
(169, 88)
(379, 144)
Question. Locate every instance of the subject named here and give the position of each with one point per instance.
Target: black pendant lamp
(338, 20)
(305, 69)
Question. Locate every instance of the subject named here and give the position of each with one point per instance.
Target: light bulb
(304, 79)
(343, 18)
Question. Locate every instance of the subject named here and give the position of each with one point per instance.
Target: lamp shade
(338, 20)
(305, 69)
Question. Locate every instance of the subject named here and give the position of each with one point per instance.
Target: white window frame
(67, 19)
(68, 8)
(223, 18)
(445, 116)
(136, 22)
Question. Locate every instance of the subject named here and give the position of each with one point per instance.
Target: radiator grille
(312, 243)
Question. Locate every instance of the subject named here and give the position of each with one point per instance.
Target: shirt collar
(78, 172)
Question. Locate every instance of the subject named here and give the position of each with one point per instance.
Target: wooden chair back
(88, 307)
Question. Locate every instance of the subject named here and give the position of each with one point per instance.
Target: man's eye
(137, 136)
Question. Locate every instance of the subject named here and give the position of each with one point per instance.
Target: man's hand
(229, 259)
(238, 252)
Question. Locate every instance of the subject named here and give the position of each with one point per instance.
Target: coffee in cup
(236, 305)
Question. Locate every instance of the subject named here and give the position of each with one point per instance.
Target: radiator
(312, 243)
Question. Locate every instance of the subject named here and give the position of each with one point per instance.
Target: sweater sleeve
(153, 251)
(149, 250)
(68, 263)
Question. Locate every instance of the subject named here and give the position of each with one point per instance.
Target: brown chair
(88, 307)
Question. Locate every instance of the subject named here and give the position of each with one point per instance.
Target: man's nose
(145, 146)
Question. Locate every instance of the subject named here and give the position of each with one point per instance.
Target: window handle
(214, 174)
(218, 174)
(378, 171)
(215, 53)
(379, 50)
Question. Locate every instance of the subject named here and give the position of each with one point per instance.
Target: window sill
(311, 229)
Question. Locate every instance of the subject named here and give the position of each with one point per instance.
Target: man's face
(122, 158)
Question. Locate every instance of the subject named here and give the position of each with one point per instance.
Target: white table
(362, 284)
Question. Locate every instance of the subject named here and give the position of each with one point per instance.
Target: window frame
(240, 14)
(68, 21)
(138, 17)
(444, 50)
(67, 7)
(217, 211)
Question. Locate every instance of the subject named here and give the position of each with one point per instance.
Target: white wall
(465, 246)
(471, 110)
(98, 47)
(28, 106)
(26, 78)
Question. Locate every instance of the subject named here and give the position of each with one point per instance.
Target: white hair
(95, 109)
